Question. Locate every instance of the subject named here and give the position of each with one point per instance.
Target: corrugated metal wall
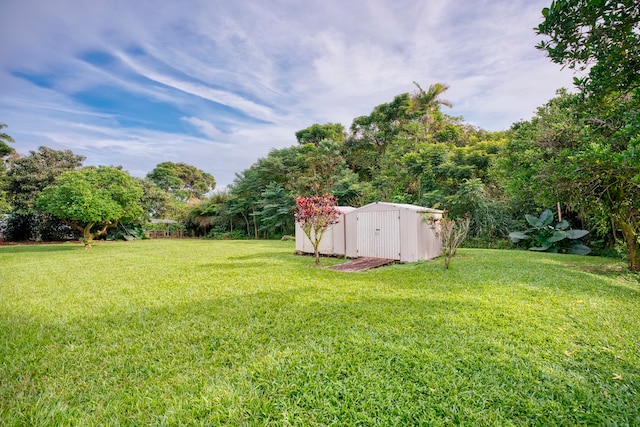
(378, 234)
(332, 243)
(409, 236)
(393, 231)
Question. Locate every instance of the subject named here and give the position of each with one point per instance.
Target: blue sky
(217, 84)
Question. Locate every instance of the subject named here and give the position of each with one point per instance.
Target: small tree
(316, 214)
(452, 234)
(5, 151)
(93, 199)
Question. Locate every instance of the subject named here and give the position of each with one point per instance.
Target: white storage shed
(393, 231)
(333, 241)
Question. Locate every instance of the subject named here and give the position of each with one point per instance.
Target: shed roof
(163, 221)
(415, 208)
(345, 209)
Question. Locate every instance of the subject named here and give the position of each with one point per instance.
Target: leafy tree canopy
(29, 175)
(592, 167)
(156, 202)
(602, 36)
(598, 169)
(316, 133)
(427, 102)
(183, 181)
(93, 199)
(384, 123)
(5, 149)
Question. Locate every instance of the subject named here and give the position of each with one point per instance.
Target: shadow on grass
(597, 276)
(259, 255)
(233, 265)
(40, 247)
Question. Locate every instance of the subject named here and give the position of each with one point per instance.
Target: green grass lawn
(209, 333)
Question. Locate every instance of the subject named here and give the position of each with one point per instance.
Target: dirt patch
(617, 271)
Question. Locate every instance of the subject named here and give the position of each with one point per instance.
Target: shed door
(379, 234)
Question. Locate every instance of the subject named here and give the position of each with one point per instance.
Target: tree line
(407, 151)
(49, 195)
(579, 156)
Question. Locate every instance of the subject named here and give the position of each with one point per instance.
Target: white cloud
(220, 96)
(204, 126)
(277, 66)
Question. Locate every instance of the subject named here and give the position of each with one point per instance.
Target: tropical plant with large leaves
(542, 236)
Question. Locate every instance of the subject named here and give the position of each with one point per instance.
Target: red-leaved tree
(316, 214)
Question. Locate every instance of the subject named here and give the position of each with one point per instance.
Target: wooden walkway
(360, 264)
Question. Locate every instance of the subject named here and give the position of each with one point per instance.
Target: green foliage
(29, 175)
(183, 181)
(16, 228)
(126, 232)
(244, 195)
(158, 203)
(37, 227)
(487, 243)
(277, 208)
(349, 191)
(489, 218)
(384, 123)
(604, 37)
(601, 36)
(5, 139)
(426, 104)
(543, 236)
(582, 153)
(226, 235)
(317, 133)
(320, 168)
(162, 229)
(5, 151)
(93, 199)
(26, 178)
(517, 167)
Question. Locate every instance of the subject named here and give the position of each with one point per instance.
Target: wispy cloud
(204, 126)
(223, 97)
(218, 84)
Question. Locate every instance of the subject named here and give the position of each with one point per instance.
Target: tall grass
(246, 333)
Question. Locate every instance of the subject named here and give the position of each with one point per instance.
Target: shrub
(452, 234)
(544, 237)
(227, 235)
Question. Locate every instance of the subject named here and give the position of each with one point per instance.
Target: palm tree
(426, 102)
(4, 138)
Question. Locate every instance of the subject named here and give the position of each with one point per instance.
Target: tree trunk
(631, 239)
(103, 231)
(86, 236)
(255, 226)
(633, 255)
(246, 221)
(634, 260)
(316, 244)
